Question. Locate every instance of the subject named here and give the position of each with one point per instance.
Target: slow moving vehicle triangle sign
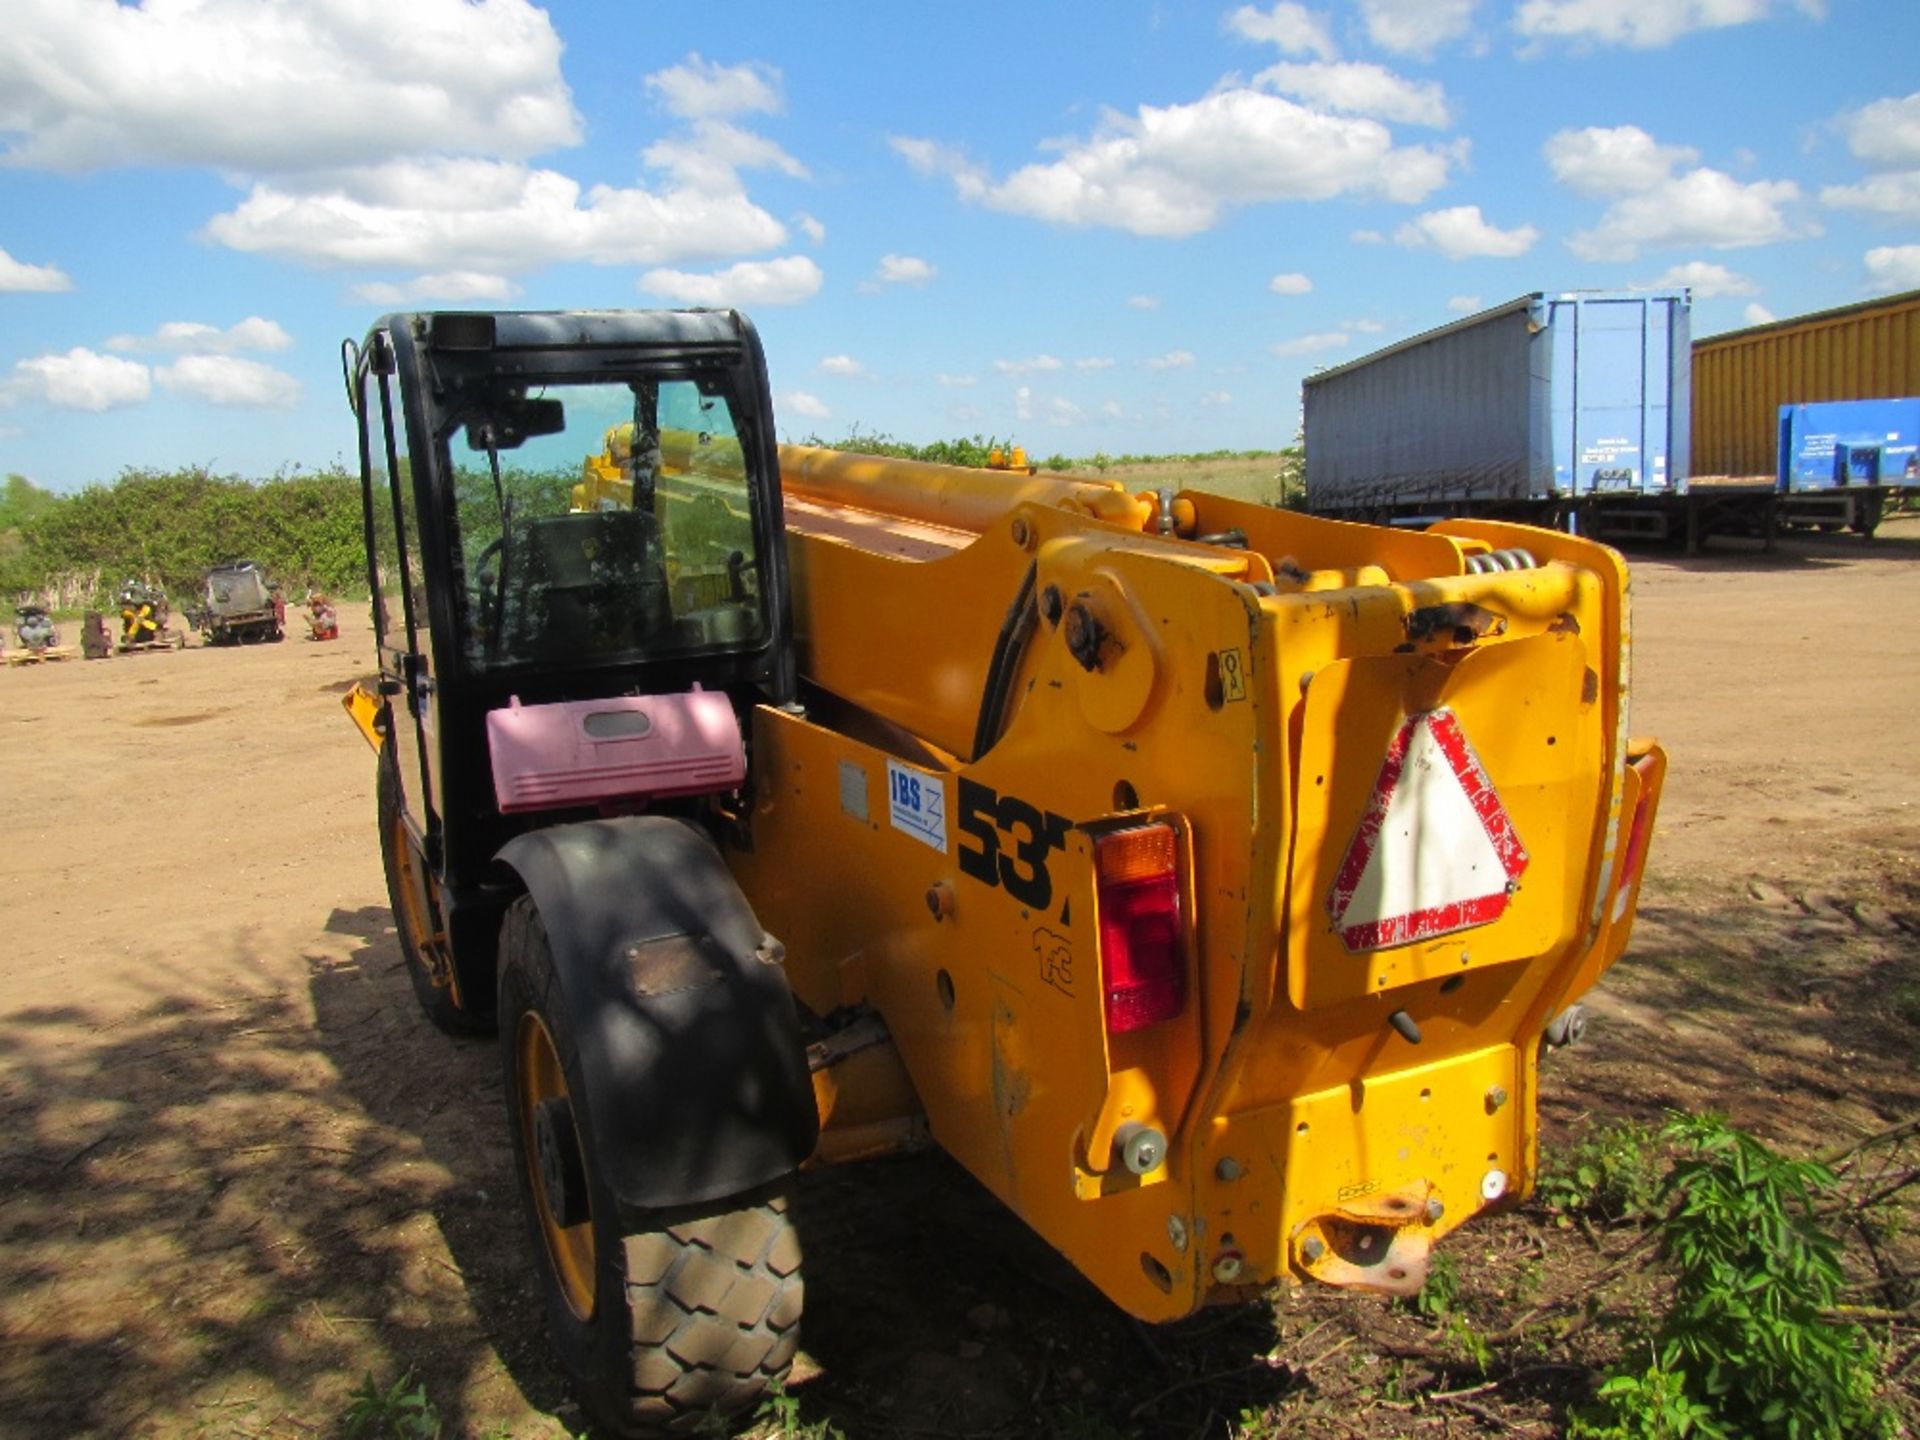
(1435, 851)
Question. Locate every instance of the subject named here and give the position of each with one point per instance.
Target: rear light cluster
(1142, 939)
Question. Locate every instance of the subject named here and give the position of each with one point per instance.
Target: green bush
(1611, 1172)
(1750, 1345)
(170, 527)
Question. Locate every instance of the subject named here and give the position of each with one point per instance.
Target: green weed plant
(1749, 1348)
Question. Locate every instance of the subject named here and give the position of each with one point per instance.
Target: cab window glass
(619, 523)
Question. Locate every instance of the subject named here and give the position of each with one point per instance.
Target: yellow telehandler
(1206, 879)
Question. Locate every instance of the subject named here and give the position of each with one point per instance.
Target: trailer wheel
(415, 918)
(660, 1327)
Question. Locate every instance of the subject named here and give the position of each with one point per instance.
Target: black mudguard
(689, 1040)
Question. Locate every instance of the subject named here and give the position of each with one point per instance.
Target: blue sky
(1120, 227)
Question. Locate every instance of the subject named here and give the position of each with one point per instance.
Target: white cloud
(1292, 283)
(1172, 360)
(1294, 28)
(698, 89)
(956, 381)
(904, 270)
(1094, 362)
(1657, 204)
(811, 407)
(1895, 195)
(17, 277)
(81, 379)
(1462, 233)
(786, 281)
(1367, 237)
(1310, 344)
(1705, 279)
(1638, 24)
(452, 285)
(1172, 170)
(1463, 304)
(1214, 399)
(278, 88)
(1894, 267)
(193, 337)
(1055, 410)
(1143, 302)
(1416, 27)
(1620, 160)
(1702, 207)
(1362, 327)
(842, 365)
(709, 156)
(1758, 314)
(1886, 134)
(231, 382)
(810, 227)
(1028, 366)
(489, 216)
(1351, 88)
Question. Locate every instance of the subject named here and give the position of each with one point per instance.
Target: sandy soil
(239, 1172)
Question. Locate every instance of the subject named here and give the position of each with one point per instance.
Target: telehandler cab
(1207, 879)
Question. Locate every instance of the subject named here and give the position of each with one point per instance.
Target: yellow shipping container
(1741, 379)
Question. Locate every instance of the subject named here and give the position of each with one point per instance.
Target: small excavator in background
(1206, 879)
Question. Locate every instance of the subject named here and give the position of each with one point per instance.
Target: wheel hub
(557, 1161)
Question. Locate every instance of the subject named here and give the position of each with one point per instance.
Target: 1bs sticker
(917, 804)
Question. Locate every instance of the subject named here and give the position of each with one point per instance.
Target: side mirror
(512, 423)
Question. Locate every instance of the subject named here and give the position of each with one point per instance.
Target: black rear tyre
(410, 893)
(660, 1328)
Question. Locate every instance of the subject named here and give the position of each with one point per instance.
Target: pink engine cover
(578, 752)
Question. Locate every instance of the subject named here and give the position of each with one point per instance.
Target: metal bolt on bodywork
(1496, 1097)
(940, 899)
(1020, 531)
(1227, 1266)
(1140, 1147)
(1177, 1233)
(1229, 1169)
(1567, 1027)
(1312, 1249)
(1435, 1210)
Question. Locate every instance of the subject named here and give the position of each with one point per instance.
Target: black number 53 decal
(997, 824)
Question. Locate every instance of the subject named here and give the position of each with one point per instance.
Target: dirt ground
(239, 1172)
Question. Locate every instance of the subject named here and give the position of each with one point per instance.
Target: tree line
(169, 528)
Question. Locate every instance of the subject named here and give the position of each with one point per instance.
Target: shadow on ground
(222, 1211)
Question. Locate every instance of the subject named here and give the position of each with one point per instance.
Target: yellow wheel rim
(407, 873)
(413, 915)
(569, 1247)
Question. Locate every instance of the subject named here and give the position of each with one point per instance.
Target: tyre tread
(714, 1320)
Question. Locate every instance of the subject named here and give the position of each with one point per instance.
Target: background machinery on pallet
(146, 619)
(1206, 879)
(240, 606)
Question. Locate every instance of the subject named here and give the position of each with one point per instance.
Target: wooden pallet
(35, 657)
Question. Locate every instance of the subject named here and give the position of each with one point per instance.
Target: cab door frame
(406, 660)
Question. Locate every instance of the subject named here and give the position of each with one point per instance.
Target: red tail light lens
(1142, 950)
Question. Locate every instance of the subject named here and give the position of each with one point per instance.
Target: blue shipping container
(1836, 443)
(1545, 397)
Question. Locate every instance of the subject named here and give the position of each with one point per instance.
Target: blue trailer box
(1547, 397)
(1834, 444)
